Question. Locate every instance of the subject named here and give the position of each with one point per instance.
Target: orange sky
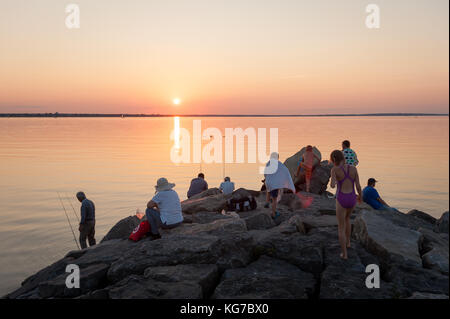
(226, 57)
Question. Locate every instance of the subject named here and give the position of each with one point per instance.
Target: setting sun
(176, 101)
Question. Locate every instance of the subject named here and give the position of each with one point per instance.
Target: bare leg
(348, 226)
(274, 207)
(340, 214)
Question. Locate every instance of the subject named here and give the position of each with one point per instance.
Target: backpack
(140, 231)
(242, 204)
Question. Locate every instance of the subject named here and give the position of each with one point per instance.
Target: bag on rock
(140, 231)
(242, 204)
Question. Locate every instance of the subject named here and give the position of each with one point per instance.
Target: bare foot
(342, 256)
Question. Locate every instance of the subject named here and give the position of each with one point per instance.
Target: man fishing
(87, 222)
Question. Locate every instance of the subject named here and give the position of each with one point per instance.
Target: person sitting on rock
(371, 196)
(197, 186)
(164, 210)
(227, 186)
(307, 163)
(277, 177)
(349, 154)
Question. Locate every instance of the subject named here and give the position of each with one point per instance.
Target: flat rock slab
(220, 226)
(91, 278)
(233, 250)
(264, 279)
(206, 275)
(386, 239)
(212, 203)
(138, 287)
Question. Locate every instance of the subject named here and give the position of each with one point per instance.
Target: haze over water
(117, 161)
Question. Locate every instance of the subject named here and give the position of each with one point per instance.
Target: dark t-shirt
(198, 185)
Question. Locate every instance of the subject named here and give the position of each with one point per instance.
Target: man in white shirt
(164, 210)
(227, 186)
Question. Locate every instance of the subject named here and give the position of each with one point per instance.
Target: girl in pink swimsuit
(345, 201)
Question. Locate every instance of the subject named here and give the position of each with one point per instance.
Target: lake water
(117, 161)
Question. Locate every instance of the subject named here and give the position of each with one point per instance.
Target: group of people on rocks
(164, 209)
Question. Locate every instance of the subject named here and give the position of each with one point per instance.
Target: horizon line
(57, 114)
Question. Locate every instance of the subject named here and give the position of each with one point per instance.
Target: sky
(224, 57)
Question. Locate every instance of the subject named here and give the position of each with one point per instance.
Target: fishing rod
(73, 209)
(68, 220)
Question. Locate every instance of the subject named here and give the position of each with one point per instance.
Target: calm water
(117, 161)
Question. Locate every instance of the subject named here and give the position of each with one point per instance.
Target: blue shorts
(274, 193)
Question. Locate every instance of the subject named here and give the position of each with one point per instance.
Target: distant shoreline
(8, 115)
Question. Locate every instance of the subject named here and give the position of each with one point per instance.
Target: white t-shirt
(169, 206)
(227, 187)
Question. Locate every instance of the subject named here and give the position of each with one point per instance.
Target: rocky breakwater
(249, 255)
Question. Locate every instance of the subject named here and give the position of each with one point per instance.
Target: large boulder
(207, 276)
(212, 203)
(422, 215)
(293, 161)
(226, 251)
(442, 223)
(257, 219)
(434, 250)
(320, 176)
(346, 279)
(138, 287)
(217, 227)
(267, 278)
(91, 278)
(386, 240)
(123, 228)
(206, 193)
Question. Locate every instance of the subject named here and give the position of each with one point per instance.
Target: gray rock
(123, 228)
(91, 278)
(217, 227)
(442, 223)
(257, 219)
(205, 217)
(423, 216)
(233, 250)
(207, 193)
(265, 278)
(346, 279)
(48, 273)
(207, 276)
(408, 279)
(387, 240)
(434, 250)
(213, 203)
(138, 287)
(425, 295)
(303, 251)
(320, 176)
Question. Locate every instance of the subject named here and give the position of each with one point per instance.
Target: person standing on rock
(197, 186)
(277, 177)
(349, 154)
(307, 163)
(164, 210)
(346, 177)
(87, 221)
(227, 186)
